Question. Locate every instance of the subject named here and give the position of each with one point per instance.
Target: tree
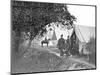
(34, 16)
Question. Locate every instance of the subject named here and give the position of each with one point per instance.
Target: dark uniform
(67, 47)
(74, 47)
(61, 45)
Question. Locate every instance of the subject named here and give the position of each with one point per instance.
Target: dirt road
(40, 59)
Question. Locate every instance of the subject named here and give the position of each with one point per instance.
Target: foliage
(34, 16)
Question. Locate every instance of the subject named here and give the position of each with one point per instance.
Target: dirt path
(48, 60)
(55, 51)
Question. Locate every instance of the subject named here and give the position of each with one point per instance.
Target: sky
(85, 14)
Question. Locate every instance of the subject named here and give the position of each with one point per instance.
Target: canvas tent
(54, 37)
(82, 35)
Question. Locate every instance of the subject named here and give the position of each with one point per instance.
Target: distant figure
(61, 45)
(67, 46)
(46, 41)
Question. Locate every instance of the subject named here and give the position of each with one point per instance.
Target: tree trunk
(30, 42)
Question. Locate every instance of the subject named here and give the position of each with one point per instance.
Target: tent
(82, 35)
(54, 37)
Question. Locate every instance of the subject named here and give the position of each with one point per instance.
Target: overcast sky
(85, 14)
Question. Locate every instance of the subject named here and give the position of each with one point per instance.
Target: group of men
(64, 46)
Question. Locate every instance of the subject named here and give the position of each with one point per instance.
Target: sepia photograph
(52, 37)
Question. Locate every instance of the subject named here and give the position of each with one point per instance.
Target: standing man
(61, 45)
(67, 47)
